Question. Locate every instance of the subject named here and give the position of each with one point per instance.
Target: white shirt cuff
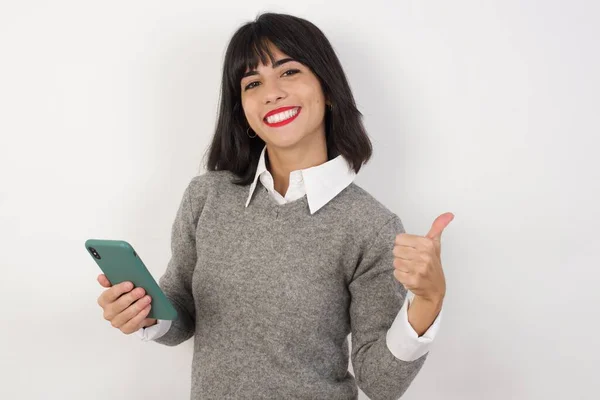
(154, 331)
(403, 341)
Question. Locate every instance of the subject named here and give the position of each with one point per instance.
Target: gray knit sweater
(270, 293)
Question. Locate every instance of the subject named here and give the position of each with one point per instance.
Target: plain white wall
(485, 109)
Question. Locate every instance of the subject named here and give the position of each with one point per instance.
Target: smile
(282, 118)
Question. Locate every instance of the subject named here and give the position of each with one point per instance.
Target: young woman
(277, 255)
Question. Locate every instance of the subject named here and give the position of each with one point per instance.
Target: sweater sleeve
(376, 299)
(176, 282)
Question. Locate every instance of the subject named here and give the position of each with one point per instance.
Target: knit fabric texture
(270, 294)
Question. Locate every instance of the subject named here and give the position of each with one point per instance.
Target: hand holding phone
(125, 308)
(130, 285)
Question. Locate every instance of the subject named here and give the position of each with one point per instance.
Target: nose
(273, 93)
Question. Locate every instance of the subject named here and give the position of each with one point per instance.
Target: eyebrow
(275, 65)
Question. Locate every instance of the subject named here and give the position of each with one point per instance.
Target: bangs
(250, 49)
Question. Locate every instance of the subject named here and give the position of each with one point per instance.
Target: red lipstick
(284, 122)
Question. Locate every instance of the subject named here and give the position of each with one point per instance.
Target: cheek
(316, 94)
(312, 92)
(249, 111)
(318, 102)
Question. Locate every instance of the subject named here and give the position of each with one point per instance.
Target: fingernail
(128, 286)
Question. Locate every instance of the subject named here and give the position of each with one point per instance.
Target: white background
(487, 109)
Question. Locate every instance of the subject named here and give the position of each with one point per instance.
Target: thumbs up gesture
(417, 263)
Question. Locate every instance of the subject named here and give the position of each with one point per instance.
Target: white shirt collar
(320, 183)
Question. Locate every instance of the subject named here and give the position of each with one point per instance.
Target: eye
(295, 71)
(249, 86)
(289, 71)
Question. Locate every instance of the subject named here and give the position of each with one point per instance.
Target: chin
(283, 138)
(284, 143)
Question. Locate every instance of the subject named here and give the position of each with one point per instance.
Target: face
(284, 103)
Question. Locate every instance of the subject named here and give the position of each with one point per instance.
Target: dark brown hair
(231, 148)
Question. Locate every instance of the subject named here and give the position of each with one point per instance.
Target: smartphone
(120, 262)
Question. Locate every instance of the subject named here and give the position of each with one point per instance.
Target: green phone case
(119, 262)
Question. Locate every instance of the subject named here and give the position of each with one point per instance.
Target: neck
(282, 161)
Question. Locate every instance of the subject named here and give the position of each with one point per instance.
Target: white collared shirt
(321, 184)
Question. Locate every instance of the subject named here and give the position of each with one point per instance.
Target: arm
(422, 313)
(177, 280)
(376, 299)
(402, 339)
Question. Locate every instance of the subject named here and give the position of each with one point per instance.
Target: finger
(404, 278)
(405, 239)
(405, 252)
(403, 265)
(416, 242)
(130, 311)
(439, 225)
(118, 306)
(135, 323)
(103, 280)
(112, 294)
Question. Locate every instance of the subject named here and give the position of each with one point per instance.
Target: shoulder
(211, 180)
(213, 186)
(362, 205)
(367, 214)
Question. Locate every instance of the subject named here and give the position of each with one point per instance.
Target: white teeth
(273, 119)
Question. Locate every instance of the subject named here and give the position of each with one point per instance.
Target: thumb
(439, 225)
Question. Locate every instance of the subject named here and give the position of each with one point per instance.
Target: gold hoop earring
(248, 133)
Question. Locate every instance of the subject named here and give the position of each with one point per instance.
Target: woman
(276, 254)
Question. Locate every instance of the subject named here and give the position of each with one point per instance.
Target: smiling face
(284, 103)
